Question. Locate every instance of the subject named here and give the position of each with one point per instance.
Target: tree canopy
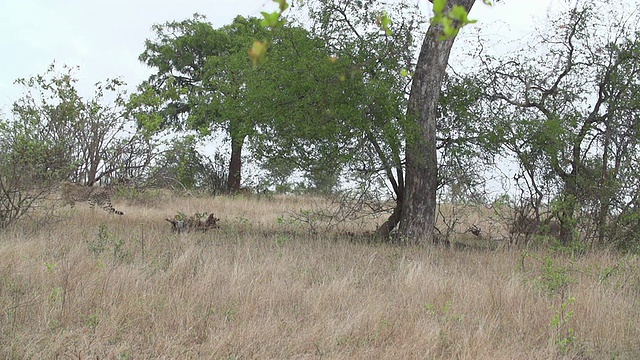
(205, 82)
(568, 114)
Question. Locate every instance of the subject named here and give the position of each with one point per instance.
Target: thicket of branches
(567, 110)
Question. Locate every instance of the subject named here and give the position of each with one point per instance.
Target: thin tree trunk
(384, 231)
(567, 222)
(569, 203)
(604, 193)
(235, 165)
(419, 208)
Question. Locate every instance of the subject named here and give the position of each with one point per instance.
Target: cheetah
(101, 196)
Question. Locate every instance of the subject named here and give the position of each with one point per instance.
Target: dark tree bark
(235, 165)
(419, 208)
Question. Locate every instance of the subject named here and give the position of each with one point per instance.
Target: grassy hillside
(93, 285)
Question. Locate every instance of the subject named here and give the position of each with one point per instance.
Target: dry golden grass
(109, 287)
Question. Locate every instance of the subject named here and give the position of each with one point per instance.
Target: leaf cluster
(451, 18)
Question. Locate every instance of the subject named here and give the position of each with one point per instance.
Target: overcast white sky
(105, 38)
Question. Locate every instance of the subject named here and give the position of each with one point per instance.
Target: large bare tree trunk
(419, 209)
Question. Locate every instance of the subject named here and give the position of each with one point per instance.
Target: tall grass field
(89, 285)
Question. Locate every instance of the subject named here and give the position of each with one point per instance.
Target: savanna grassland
(89, 285)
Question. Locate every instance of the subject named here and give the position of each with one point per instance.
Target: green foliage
(573, 248)
(384, 22)
(370, 134)
(55, 295)
(92, 321)
(467, 147)
(356, 122)
(451, 21)
(230, 311)
(105, 240)
(50, 266)
(626, 228)
(200, 72)
(621, 274)
(98, 244)
(554, 278)
(348, 91)
(444, 314)
(278, 174)
(271, 20)
(564, 333)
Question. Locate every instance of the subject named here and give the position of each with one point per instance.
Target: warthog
(194, 223)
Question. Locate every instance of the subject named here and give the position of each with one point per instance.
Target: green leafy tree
(361, 123)
(404, 145)
(349, 83)
(278, 175)
(416, 181)
(201, 83)
(305, 107)
(56, 134)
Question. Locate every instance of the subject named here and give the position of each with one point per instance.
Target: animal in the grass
(183, 224)
(95, 195)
